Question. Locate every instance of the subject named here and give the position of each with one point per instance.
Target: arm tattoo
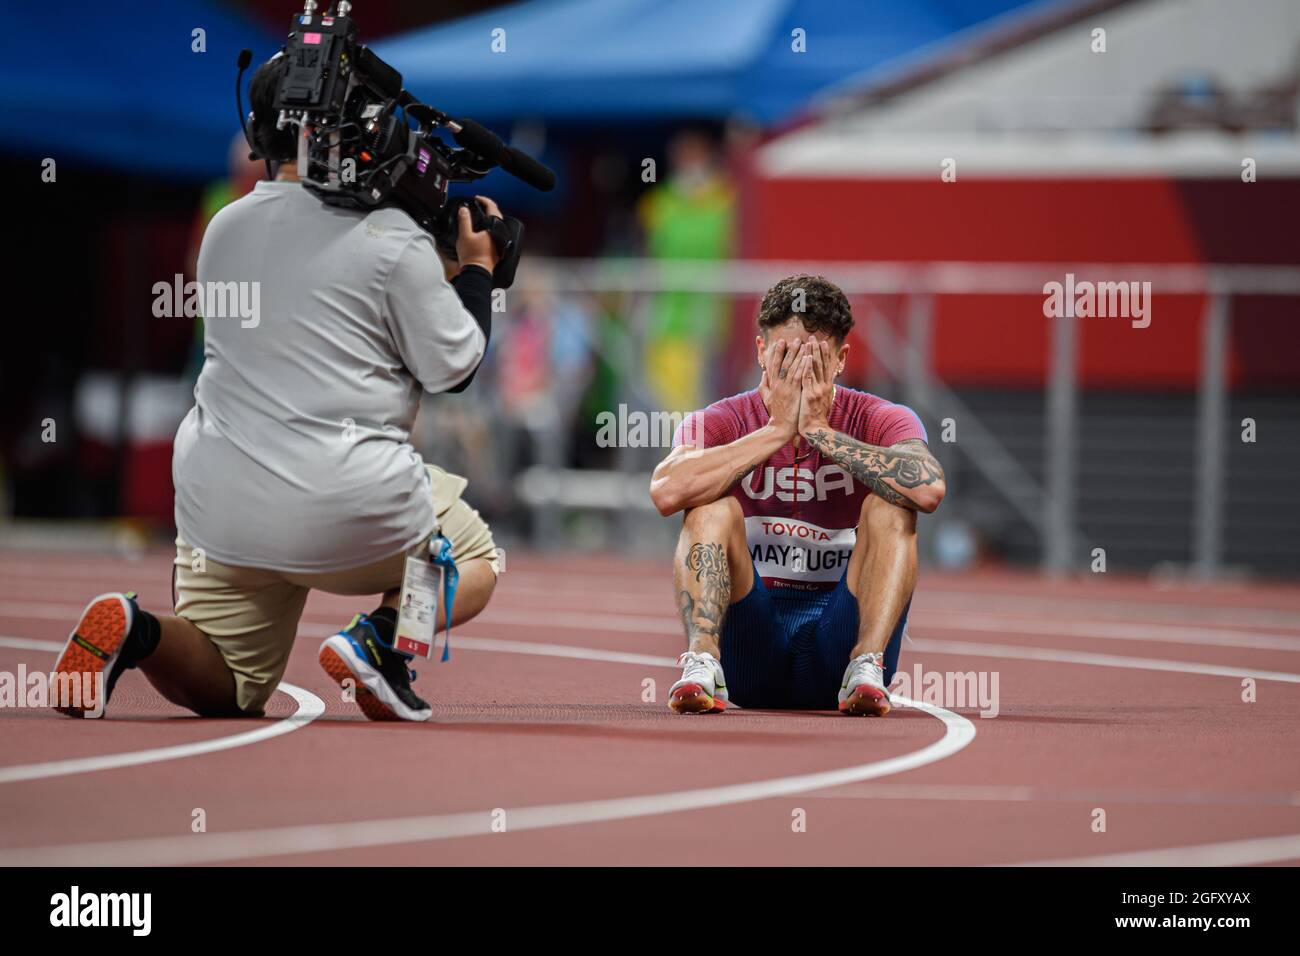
(908, 464)
(702, 612)
(740, 476)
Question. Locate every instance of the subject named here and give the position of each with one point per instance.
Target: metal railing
(1049, 507)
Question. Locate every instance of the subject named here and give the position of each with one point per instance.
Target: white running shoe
(862, 692)
(702, 689)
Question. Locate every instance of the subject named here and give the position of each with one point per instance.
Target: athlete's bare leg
(711, 570)
(882, 571)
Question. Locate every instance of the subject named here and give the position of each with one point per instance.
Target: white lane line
(1128, 608)
(1015, 651)
(306, 839)
(1024, 793)
(317, 838)
(30, 644)
(1117, 608)
(1231, 853)
(309, 708)
(953, 621)
(1105, 630)
(618, 622)
(630, 623)
(558, 650)
(934, 596)
(503, 646)
(1020, 652)
(644, 624)
(34, 611)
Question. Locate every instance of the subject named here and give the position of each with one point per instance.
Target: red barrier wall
(1002, 340)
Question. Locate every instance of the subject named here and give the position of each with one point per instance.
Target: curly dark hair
(816, 301)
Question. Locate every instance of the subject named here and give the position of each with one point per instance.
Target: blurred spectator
(545, 362)
(688, 216)
(539, 366)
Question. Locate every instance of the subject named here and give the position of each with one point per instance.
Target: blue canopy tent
(121, 88)
(611, 60)
(117, 87)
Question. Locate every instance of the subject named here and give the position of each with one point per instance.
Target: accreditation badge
(417, 612)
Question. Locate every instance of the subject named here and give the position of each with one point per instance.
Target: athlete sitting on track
(797, 556)
(294, 471)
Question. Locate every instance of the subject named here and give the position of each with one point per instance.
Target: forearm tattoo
(908, 464)
(702, 612)
(740, 475)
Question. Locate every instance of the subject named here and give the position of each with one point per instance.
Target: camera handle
(507, 234)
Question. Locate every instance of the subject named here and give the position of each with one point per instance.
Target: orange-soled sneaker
(862, 692)
(378, 674)
(702, 689)
(92, 659)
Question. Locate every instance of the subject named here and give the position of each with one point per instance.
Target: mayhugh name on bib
(785, 549)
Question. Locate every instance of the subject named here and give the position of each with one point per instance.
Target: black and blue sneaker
(364, 655)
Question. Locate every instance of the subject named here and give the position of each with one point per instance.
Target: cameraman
(294, 471)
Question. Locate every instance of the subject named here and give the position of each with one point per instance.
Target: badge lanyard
(440, 556)
(417, 616)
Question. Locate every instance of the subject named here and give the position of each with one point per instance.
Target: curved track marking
(959, 732)
(309, 708)
(283, 841)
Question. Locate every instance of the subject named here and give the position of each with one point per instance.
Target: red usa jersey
(801, 509)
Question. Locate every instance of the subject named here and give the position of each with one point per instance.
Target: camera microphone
(482, 141)
(522, 166)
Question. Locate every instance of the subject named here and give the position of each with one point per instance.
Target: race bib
(789, 549)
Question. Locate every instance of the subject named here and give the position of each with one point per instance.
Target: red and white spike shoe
(862, 692)
(702, 689)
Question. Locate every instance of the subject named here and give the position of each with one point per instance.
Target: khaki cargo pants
(251, 614)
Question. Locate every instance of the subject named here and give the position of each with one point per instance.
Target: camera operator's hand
(477, 248)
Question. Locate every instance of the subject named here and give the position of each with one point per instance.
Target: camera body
(365, 142)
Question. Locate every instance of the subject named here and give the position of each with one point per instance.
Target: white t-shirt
(296, 455)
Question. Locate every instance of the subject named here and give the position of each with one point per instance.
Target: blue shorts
(784, 648)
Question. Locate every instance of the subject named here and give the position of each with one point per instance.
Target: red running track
(1113, 695)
